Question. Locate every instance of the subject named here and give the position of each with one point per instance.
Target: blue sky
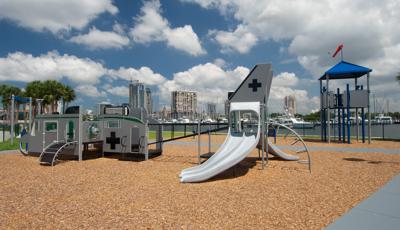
(209, 46)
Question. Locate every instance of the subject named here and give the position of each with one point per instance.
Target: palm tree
(35, 90)
(68, 95)
(6, 91)
(51, 91)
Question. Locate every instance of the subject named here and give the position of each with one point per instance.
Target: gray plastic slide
(234, 149)
(274, 150)
(230, 143)
(223, 160)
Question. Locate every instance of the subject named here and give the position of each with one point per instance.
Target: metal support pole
(369, 112)
(320, 110)
(357, 126)
(348, 113)
(357, 121)
(339, 102)
(262, 118)
(363, 125)
(198, 142)
(80, 124)
(39, 101)
(266, 129)
(209, 141)
(12, 119)
(343, 125)
(328, 109)
(146, 138)
(30, 114)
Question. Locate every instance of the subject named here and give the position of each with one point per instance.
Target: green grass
(7, 145)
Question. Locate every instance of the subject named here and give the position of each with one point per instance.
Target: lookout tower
(340, 103)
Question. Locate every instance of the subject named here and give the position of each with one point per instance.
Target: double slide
(236, 147)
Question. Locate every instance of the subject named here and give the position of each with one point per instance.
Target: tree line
(50, 91)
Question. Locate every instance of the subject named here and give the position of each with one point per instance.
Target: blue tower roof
(345, 70)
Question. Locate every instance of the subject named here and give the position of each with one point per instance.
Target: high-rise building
(290, 105)
(137, 98)
(183, 103)
(226, 108)
(212, 110)
(149, 101)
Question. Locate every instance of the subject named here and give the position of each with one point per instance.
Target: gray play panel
(379, 211)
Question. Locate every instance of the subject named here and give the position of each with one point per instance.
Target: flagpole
(341, 54)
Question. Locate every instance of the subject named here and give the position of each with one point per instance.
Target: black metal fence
(378, 131)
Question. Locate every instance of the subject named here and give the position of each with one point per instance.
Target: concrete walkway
(380, 211)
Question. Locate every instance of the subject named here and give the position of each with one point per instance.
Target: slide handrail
(298, 137)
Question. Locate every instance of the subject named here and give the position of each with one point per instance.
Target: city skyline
(205, 46)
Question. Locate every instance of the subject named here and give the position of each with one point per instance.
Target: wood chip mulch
(107, 193)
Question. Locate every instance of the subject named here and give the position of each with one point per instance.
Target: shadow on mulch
(354, 159)
(236, 171)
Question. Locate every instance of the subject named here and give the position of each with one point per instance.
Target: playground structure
(248, 126)
(343, 102)
(117, 129)
(124, 130)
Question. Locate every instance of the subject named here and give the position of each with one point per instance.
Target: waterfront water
(377, 131)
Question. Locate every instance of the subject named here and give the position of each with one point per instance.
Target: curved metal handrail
(299, 138)
(60, 149)
(41, 154)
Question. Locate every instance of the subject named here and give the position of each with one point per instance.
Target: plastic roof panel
(345, 70)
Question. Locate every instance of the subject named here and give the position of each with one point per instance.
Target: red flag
(339, 48)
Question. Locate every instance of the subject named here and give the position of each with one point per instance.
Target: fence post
(383, 131)
(198, 142)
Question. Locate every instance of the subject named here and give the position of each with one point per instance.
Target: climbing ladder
(50, 153)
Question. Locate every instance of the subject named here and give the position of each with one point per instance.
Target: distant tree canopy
(6, 91)
(398, 77)
(312, 117)
(51, 91)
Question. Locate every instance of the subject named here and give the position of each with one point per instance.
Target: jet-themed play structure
(124, 130)
(247, 130)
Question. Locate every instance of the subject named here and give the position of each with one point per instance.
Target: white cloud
(150, 26)
(210, 81)
(25, 68)
(121, 91)
(54, 16)
(315, 28)
(143, 74)
(90, 91)
(240, 40)
(285, 79)
(220, 62)
(369, 31)
(185, 39)
(97, 39)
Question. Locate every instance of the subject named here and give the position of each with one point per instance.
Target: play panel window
(51, 126)
(244, 121)
(113, 124)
